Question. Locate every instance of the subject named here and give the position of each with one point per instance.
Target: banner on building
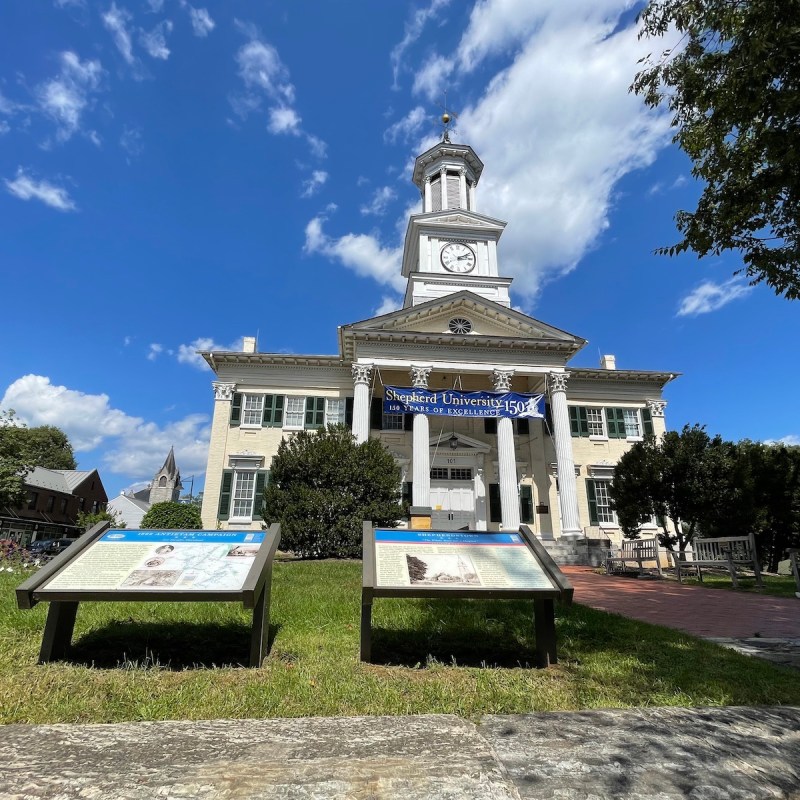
(452, 403)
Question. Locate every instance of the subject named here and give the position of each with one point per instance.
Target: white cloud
(7, 106)
(135, 447)
(4, 127)
(433, 78)
(27, 188)
(407, 127)
(69, 3)
(791, 440)
(155, 351)
(283, 120)
(361, 253)
(202, 24)
(155, 5)
(413, 30)
(127, 340)
(710, 296)
(265, 76)
(155, 41)
(261, 67)
(187, 353)
(388, 304)
(131, 141)
(318, 147)
(556, 127)
(116, 21)
(379, 201)
(65, 97)
(314, 183)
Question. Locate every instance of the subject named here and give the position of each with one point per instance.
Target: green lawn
(143, 661)
(777, 585)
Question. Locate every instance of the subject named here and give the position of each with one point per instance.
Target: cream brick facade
(455, 331)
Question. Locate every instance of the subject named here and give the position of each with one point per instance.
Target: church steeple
(166, 484)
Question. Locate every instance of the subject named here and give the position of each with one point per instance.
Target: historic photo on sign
(442, 570)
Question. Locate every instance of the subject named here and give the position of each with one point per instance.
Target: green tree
(322, 487)
(88, 520)
(681, 476)
(732, 85)
(172, 516)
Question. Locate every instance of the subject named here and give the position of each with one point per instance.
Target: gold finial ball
(445, 118)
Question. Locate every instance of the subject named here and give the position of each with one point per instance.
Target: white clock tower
(450, 247)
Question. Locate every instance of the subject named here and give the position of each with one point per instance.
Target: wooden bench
(634, 550)
(724, 552)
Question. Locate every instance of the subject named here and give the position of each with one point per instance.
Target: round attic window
(460, 325)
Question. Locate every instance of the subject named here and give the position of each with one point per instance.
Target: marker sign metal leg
(366, 631)
(259, 638)
(58, 630)
(545, 629)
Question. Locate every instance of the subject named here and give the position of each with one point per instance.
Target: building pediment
(444, 441)
(489, 324)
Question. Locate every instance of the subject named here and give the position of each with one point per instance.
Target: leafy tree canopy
(323, 485)
(88, 520)
(23, 448)
(172, 516)
(732, 85)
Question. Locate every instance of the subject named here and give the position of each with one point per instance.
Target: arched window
(162, 481)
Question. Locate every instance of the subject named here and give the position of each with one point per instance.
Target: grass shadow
(174, 646)
(467, 633)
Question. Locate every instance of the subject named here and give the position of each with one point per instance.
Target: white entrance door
(453, 505)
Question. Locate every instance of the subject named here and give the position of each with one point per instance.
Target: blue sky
(178, 174)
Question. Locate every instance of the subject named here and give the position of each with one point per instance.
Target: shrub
(175, 516)
(323, 485)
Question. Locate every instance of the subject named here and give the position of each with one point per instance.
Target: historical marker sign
(464, 564)
(164, 565)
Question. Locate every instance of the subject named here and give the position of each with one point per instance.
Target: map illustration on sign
(131, 560)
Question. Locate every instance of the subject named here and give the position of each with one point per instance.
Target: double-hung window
(252, 410)
(244, 487)
(295, 414)
(633, 427)
(335, 411)
(600, 511)
(595, 422)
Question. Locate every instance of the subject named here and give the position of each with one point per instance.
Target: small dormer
(447, 176)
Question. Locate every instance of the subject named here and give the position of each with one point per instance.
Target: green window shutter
(495, 511)
(236, 408)
(523, 426)
(376, 413)
(262, 476)
(593, 518)
(526, 502)
(225, 494)
(615, 423)
(348, 411)
(647, 422)
(490, 424)
(273, 411)
(548, 417)
(583, 421)
(578, 421)
(315, 412)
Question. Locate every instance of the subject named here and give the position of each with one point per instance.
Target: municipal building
(455, 331)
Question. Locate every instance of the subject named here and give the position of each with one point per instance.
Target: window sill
(596, 438)
(634, 438)
(240, 520)
(250, 426)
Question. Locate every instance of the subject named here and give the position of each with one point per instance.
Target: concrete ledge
(359, 758)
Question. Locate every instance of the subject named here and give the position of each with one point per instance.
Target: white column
(362, 374)
(480, 495)
(428, 204)
(462, 187)
(506, 458)
(472, 186)
(421, 468)
(443, 184)
(567, 485)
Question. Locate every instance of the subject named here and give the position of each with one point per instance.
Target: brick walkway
(694, 609)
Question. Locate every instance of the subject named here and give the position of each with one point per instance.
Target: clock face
(458, 257)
